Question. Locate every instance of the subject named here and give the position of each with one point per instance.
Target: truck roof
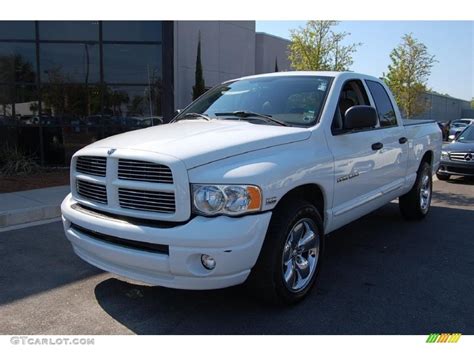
(334, 74)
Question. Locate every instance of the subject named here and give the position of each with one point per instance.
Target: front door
(358, 161)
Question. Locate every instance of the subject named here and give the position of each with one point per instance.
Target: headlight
(444, 155)
(211, 200)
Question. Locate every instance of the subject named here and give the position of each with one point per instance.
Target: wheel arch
(312, 193)
(428, 158)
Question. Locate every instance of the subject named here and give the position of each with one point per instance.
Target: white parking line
(29, 224)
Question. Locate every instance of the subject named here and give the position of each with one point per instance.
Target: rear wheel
(290, 259)
(415, 205)
(443, 177)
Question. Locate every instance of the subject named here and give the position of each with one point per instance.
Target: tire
(281, 255)
(415, 205)
(443, 177)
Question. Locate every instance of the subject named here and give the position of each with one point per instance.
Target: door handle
(403, 140)
(377, 146)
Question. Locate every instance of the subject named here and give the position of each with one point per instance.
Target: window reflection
(132, 63)
(6, 100)
(79, 103)
(66, 103)
(76, 110)
(17, 63)
(24, 30)
(132, 31)
(132, 107)
(69, 30)
(69, 63)
(19, 104)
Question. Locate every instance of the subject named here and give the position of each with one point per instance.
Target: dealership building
(65, 84)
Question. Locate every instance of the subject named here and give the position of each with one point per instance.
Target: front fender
(275, 170)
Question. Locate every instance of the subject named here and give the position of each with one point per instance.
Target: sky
(452, 43)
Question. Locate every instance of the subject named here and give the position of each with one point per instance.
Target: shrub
(14, 161)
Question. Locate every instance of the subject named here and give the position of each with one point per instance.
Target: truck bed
(412, 122)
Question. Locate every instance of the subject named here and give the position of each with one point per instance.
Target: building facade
(445, 108)
(271, 53)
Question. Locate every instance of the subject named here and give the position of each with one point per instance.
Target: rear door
(391, 134)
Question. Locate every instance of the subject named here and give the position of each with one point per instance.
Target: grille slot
(144, 171)
(92, 191)
(91, 165)
(126, 243)
(151, 201)
(461, 156)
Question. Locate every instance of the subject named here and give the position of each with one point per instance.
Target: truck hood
(201, 142)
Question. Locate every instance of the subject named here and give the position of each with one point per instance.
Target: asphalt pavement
(381, 275)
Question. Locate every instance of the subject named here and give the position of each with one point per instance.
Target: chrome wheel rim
(300, 255)
(425, 193)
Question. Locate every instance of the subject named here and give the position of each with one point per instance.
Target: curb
(28, 215)
(32, 206)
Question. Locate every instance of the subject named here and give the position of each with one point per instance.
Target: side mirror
(360, 116)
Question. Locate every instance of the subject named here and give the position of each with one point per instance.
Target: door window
(352, 94)
(383, 104)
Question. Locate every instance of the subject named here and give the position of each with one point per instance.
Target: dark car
(457, 158)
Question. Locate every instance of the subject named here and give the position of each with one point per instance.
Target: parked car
(457, 126)
(247, 181)
(457, 158)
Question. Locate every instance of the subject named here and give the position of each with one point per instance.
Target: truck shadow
(36, 260)
(381, 275)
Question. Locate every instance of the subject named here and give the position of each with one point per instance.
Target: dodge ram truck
(244, 184)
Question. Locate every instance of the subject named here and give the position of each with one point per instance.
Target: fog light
(208, 262)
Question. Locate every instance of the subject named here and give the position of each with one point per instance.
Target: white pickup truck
(244, 183)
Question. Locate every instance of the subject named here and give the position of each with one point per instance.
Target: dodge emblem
(111, 151)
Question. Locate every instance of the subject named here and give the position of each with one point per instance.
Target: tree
(199, 87)
(472, 103)
(276, 65)
(319, 47)
(408, 74)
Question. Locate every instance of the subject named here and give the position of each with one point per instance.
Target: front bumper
(449, 167)
(234, 243)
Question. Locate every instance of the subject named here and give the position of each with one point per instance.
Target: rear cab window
(383, 104)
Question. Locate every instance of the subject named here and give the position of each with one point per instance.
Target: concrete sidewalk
(25, 207)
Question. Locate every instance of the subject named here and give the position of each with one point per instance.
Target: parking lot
(381, 275)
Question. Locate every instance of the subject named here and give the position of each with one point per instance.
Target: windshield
(467, 135)
(294, 100)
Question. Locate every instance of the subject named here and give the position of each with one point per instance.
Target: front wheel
(415, 205)
(290, 259)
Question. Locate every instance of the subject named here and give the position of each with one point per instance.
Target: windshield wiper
(249, 114)
(191, 115)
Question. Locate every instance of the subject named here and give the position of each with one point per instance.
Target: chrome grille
(91, 191)
(151, 201)
(461, 156)
(144, 171)
(91, 165)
